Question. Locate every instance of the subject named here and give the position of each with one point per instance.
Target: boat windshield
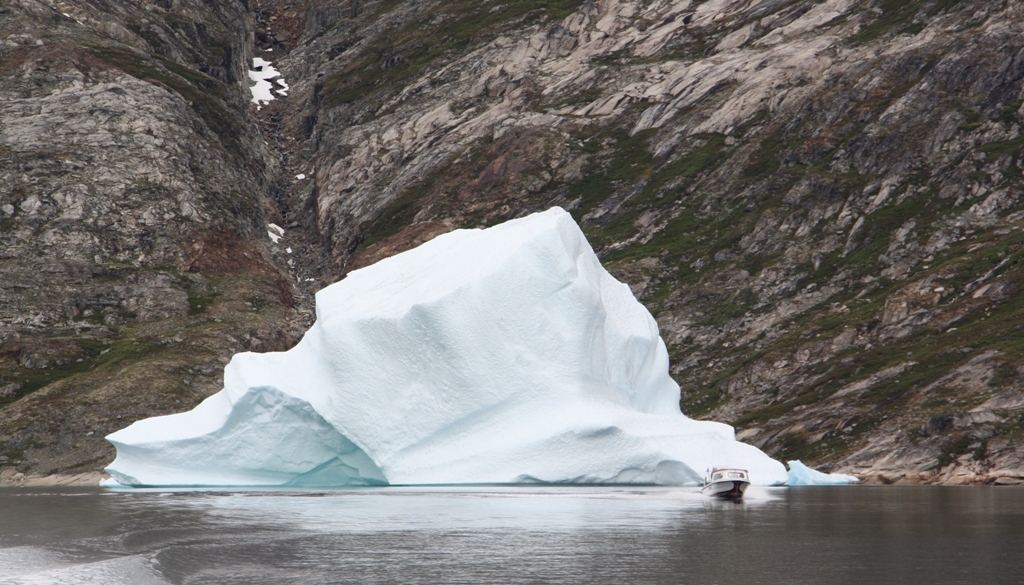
(716, 477)
(737, 475)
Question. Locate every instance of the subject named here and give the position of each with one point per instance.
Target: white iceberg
(504, 355)
(800, 474)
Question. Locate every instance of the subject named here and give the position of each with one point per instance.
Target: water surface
(821, 536)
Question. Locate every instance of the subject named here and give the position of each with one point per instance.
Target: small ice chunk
(800, 474)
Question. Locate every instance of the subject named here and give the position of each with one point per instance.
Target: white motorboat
(726, 483)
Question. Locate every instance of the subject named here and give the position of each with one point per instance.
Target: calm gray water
(513, 535)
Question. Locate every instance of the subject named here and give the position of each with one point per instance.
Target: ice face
(800, 474)
(265, 437)
(483, 356)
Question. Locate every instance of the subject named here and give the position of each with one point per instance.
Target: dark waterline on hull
(531, 534)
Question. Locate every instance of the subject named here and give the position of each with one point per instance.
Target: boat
(726, 483)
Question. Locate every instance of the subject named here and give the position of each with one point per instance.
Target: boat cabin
(728, 475)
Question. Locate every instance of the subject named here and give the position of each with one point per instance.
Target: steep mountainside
(133, 259)
(820, 202)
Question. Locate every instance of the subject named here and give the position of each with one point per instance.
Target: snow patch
(505, 355)
(275, 232)
(261, 74)
(300, 176)
(800, 474)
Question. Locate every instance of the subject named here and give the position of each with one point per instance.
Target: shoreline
(10, 477)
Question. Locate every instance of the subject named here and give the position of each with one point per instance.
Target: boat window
(716, 477)
(735, 474)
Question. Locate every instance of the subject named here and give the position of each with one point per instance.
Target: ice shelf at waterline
(800, 474)
(503, 355)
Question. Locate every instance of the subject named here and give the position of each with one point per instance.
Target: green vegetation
(629, 162)
(148, 34)
(94, 355)
(666, 185)
(982, 326)
(199, 302)
(1012, 429)
(730, 308)
(972, 120)
(1009, 114)
(203, 93)
(701, 400)
(997, 150)
(658, 186)
(959, 447)
(768, 157)
(1004, 374)
(686, 234)
(932, 349)
(397, 215)
(901, 16)
(97, 356)
(402, 53)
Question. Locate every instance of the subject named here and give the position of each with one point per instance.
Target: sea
(513, 534)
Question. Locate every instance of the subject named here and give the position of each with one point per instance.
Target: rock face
(506, 355)
(133, 184)
(819, 202)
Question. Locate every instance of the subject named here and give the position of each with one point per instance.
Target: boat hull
(726, 490)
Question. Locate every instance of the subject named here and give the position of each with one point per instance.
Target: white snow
(300, 176)
(261, 74)
(504, 355)
(800, 474)
(275, 232)
(288, 250)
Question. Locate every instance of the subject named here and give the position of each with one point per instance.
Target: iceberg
(502, 355)
(800, 474)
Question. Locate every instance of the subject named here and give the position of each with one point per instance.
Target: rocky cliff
(820, 202)
(134, 186)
